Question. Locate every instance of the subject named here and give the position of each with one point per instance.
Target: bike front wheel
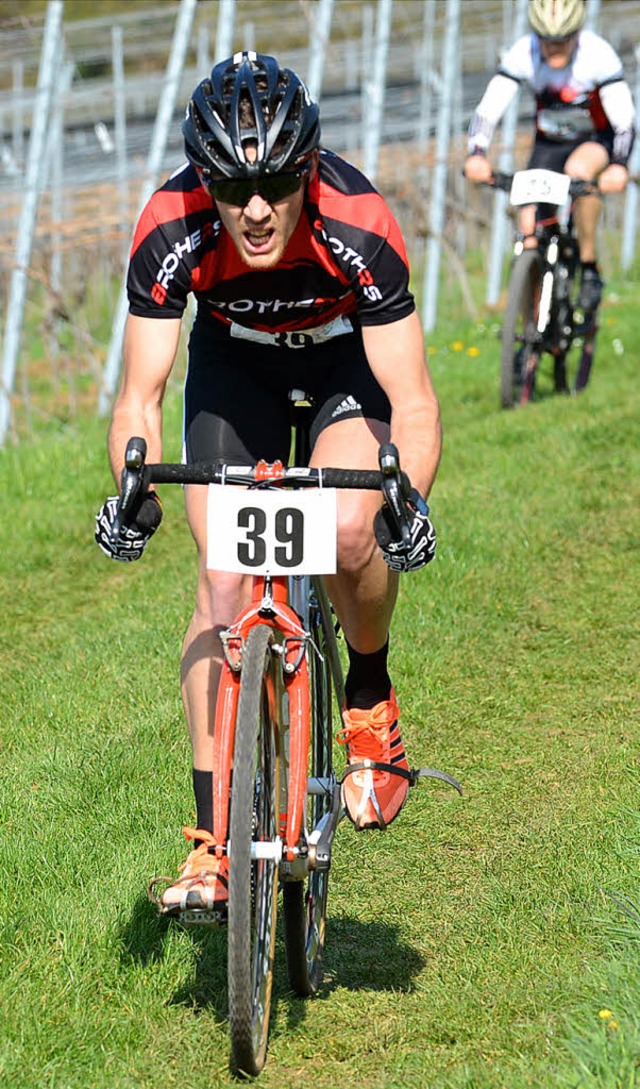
(521, 340)
(253, 830)
(305, 902)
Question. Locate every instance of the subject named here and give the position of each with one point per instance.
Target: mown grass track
(473, 945)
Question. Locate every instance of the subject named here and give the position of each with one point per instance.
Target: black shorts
(553, 154)
(236, 405)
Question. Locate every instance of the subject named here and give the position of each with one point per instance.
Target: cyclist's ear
(315, 159)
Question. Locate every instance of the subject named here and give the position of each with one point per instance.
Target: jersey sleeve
(607, 66)
(157, 280)
(617, 104)
(516, 62)
(498, 96)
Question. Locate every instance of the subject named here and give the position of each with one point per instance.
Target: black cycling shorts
(236, 405)
(553, 154)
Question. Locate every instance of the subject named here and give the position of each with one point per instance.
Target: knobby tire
(253, 886)
(521, 347)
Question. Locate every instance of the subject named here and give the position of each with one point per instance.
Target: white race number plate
(539, 187)
(272, 532)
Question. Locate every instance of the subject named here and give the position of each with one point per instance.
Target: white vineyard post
(49, 64)
(500, 230)
(319, 32)
(163, 122)
(440, 169)
(375, 87)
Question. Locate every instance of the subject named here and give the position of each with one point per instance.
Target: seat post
(301, 403)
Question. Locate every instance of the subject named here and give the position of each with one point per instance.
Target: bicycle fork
(291, 711)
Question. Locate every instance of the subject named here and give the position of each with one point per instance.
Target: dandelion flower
(473, 351)
(605, 1014)
(457, 345)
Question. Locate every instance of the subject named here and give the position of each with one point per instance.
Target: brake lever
(395, 487)
(130, 482)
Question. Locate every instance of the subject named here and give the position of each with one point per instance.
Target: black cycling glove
(133, 538)
(421, 549)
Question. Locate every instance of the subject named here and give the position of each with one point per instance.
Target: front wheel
(521, 340)
(253, 829)
(305, 902)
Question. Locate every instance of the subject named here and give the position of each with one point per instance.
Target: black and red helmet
(283, 125)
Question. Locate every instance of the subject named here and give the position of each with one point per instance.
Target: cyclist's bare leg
(587, 162)
(219, 598)
(364, 590)
(527, 225)
(203, 882)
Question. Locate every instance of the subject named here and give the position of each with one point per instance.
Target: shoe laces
(367, 734)
(200, 858)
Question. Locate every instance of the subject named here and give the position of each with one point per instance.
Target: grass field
(484, 941)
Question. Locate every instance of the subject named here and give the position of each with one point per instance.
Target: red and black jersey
(345, 257)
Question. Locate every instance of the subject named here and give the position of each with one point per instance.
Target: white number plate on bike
(272, 532)
(539, 187)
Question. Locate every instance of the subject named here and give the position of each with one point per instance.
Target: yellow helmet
(556, 18)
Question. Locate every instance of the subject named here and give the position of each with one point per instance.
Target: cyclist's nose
(257, 209)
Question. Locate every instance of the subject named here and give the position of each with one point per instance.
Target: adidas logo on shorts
(348, 405)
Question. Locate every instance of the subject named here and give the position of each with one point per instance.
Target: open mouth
(258, 241)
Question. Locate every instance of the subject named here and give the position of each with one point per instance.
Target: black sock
(593, 265)
(368, 681)
(203, 790)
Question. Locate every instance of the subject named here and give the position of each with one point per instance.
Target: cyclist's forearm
(418, 436)
(148, 353)
(500, 91)
(397, 359)
(133, 419)
(617, 104)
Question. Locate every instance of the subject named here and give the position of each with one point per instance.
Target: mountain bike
(277, 797)
(542, 317)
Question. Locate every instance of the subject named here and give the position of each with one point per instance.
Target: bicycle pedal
(202, 917)
(432, 773)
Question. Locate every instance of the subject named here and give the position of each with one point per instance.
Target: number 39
(288, 531)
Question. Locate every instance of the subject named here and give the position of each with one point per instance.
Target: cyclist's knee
(356, 542)
(220, 595)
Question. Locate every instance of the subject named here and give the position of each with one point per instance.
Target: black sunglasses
(557, 41)
(239, 191)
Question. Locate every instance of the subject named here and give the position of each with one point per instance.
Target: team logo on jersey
(350, 257)
(167, 270)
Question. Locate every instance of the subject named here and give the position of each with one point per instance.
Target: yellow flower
(457, 345)
(473, 351)
(612, 1024)
(605, 1014)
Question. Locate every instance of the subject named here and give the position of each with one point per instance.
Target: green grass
(475, 943)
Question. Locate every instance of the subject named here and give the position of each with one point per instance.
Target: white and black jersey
(587, 99)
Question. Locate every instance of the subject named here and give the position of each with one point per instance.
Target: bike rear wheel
(521, 341)
(253, 885)
(305, 902)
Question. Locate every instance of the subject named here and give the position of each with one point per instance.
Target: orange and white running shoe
(376, 781)
(204, 884)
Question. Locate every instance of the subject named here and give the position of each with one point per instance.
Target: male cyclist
(584, 117)
(301, 280)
